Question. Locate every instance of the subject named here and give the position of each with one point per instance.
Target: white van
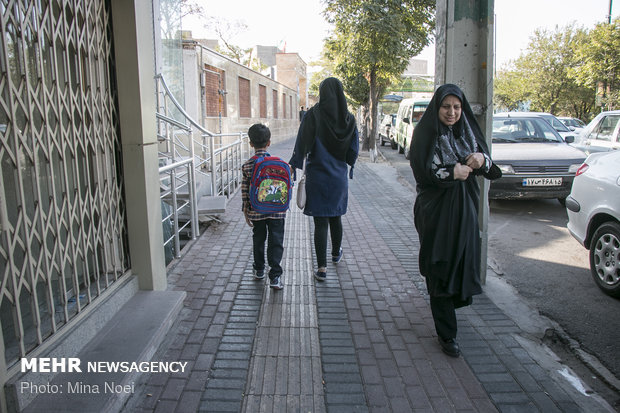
(409, 113)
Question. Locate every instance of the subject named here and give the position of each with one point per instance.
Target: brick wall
(215, 79)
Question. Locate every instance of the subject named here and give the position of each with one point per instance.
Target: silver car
(566, 134)
(574, 124)
(535, 162)
(593, 208)
(602, 134)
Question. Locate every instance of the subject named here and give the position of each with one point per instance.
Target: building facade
(229, 97)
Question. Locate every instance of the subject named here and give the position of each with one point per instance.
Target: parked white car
(574, 124)
(568, 135)
(593, 208)
(602, 134)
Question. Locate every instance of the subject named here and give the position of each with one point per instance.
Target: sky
(301, 27)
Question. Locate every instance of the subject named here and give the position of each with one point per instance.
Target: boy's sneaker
(336, 258)
(258, 275)
(276, 283)
(320, 275)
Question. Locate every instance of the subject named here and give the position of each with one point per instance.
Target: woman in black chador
(448, 151)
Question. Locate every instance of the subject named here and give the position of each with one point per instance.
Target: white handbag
(301, 189)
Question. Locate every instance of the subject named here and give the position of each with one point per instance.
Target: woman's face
(450, 110)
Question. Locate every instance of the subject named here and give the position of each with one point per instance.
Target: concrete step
(132, 335)
(212, 205)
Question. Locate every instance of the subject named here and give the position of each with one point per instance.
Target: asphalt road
(531, 250)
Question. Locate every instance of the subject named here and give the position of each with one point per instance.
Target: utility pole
(464, 56)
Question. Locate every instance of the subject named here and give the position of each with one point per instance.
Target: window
(290, 106)
(215, 80)
(523, 130)
(605, 129)
(262, 96)
(245, 108)
(418, 111)
(283, 106)
(275, 104)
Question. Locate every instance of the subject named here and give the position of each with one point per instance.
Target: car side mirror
(406, 120)
(569, 139)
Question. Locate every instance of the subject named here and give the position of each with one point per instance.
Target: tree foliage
(601, 62)
(226, 30)
(171, 14)
(371, 45)
(560, 70)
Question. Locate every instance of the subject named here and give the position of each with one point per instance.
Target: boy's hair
(260, 135)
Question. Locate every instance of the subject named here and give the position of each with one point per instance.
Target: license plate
(542, 181)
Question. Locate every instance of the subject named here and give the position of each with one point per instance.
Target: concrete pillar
(135, 62)
(464, 56)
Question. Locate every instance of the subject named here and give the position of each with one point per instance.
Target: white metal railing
(215, 158)
(225, 163)
(171, 185)
(218, 155)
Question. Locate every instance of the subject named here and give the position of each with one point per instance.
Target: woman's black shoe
(449, 347)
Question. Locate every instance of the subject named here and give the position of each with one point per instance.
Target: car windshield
(519, 130)
(555, 122)
(571, 122)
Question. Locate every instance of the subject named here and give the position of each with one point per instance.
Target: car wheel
(382, 141)
(562, 201)
(401, 149)
(605, 258)
(393, 145)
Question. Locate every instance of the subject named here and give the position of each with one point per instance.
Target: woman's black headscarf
(427, 131)
(446, 211)
(330, 120)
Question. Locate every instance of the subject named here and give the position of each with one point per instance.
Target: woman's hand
(461, 172)
(475, 160)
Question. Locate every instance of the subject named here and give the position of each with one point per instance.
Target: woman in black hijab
(448, 151)
(328, 138)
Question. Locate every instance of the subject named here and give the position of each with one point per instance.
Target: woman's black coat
(446, 212)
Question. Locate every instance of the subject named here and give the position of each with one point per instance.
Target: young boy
(262, 224)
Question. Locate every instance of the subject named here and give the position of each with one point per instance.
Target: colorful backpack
(270, 187)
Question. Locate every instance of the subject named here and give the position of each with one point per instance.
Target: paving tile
(363, 340)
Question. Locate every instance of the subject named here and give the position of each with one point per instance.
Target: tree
(543, 77)
(601, 62)
(226, 30)
(371, 45)
(171, 14)
(326, 70)
(510, 90)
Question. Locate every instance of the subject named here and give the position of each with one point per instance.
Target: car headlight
(506, 169)
(574, 168)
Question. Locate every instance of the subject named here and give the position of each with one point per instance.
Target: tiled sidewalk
(361, 341)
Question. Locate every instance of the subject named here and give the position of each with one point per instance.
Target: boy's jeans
(275, 245)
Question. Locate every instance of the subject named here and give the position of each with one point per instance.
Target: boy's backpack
(270, 187)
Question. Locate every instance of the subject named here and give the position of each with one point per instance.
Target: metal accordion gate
(63, 230)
